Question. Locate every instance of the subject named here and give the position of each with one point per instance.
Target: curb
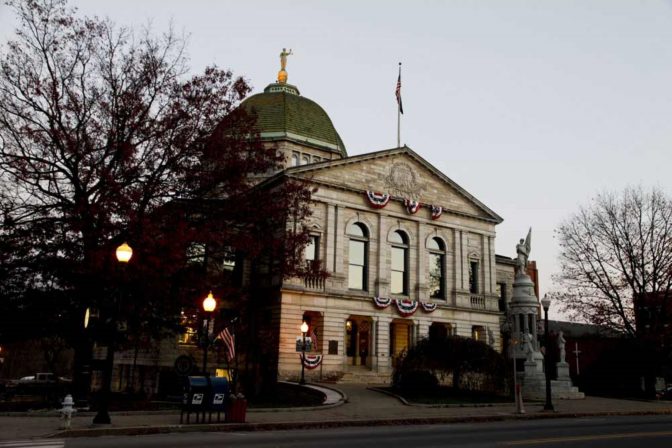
(251, 427)
(438, 406)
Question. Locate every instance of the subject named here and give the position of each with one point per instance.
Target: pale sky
(531, 106)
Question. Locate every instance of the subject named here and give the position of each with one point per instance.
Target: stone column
(464, 260)
(339, 240)
(457, 258)
(330, 238)
(383, 344)
(381, 282)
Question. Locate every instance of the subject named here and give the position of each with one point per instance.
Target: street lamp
(304, 330)
(546, 303)
(123, 254)
(209, 305)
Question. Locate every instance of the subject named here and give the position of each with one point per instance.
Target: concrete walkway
(363, 407)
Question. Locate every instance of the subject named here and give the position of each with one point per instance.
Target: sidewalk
(363, 407)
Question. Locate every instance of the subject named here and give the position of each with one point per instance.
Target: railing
(477, 302)
(314, 282)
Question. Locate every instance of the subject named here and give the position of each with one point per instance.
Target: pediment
(401, 173)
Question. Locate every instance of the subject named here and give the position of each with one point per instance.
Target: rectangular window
(501, 293)
(357, 267)
(228, 259)
(398, 277)
(311, 252)
(473, 277)
(196, 253)
(189, 331)
(479, 333)
(436, 276)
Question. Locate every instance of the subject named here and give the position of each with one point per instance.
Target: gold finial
(282, 74)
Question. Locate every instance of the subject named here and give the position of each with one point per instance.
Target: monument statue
(528, 348)
(282, 74)
(523, 250)
(561, 346)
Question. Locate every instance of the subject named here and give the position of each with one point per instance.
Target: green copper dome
(282, 113)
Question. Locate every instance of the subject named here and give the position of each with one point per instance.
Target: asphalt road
(594, 432)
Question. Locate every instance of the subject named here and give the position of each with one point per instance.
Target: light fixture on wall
(348, 326)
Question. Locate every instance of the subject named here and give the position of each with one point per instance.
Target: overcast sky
(531, 106)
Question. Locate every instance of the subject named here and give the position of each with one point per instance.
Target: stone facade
(353, 333)
(356, 336)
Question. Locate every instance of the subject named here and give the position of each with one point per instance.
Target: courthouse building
(408, 251)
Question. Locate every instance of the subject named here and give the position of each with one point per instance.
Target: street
(613, 432)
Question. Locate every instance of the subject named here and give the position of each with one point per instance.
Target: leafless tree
(614, 250)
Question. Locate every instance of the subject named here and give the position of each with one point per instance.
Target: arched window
(399, 265)
(295, 159)
(358, 256)
(305, 159)
(437, 257)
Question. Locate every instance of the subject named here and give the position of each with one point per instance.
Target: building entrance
(358, 341)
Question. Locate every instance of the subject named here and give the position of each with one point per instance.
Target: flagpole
(399, 115)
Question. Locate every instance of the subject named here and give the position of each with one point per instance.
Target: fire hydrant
(67, 411)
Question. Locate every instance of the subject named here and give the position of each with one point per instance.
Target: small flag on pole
(397, 91)
(230, 343)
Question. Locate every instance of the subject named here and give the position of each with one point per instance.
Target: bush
(418, 381)
(466, 363)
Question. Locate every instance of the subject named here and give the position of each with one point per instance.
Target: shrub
(418, 381)
(472, 365)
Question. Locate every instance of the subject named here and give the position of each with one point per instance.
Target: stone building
(408, 251)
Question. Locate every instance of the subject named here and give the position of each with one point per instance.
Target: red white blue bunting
(406, 307)
(382, 302)
(428, 307)
(412, 206)
(311, 361)
(377, 200)
(436, 211)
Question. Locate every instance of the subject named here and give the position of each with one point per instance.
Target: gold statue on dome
(282, 74)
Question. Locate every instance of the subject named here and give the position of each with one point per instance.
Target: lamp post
(546, 303)
(304, 330)
(209, 305)
(124, 254)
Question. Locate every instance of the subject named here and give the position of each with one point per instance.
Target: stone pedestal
(563, 370)
(534, 380)
(562, 388)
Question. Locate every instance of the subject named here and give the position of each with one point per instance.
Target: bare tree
(105, 138)
(614, 250)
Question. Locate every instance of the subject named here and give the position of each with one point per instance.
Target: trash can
(237, 409)
(196, 396)
(219, 390)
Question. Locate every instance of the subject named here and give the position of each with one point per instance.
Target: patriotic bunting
(428, 307)
(412, 206)
(436, 211)
(406, 307)
(382, 302)
(311, 361)
(377, 200)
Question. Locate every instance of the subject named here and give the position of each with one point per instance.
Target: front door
(363, 347)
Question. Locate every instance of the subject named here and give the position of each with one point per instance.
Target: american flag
(397, 92)
(313, 338)
(230, 343)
